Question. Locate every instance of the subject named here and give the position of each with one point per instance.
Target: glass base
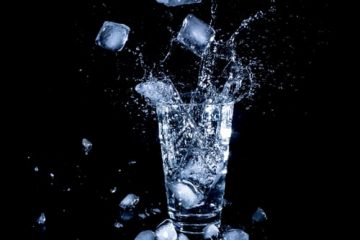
(194, 223)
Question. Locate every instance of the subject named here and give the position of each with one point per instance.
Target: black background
(74, 89)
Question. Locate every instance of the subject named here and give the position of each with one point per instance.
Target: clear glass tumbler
(194, 142)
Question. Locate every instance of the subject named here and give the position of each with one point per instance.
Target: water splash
(224, 72)
(224, 75)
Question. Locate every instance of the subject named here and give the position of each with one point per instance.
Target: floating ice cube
(146, 235)
(87, 146)
(41, 219)
(174, 3)
(112, 36)
(182, 237)
(157, 91)
(211, 231)
(259, 215)
(129, 201)
(187, 194)
(166, 231)
(236, 234)
(195, 34)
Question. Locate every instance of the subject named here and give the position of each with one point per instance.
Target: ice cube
(187, 194)
(210, 231)
(259, 215)
(182, 237)
(236, 234)
(41, 219)
(195, 34)
(145, 235)
(87, 146)
(112, 36)
(129, 201)
(196, 170)
(166, 231)
(157, 91)
(174, 3)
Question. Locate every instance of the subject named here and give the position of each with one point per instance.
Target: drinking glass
(194, 141)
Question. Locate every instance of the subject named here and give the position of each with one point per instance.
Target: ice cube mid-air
(112, 36)
(158, 92)
(195, 34)
(129, 201)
